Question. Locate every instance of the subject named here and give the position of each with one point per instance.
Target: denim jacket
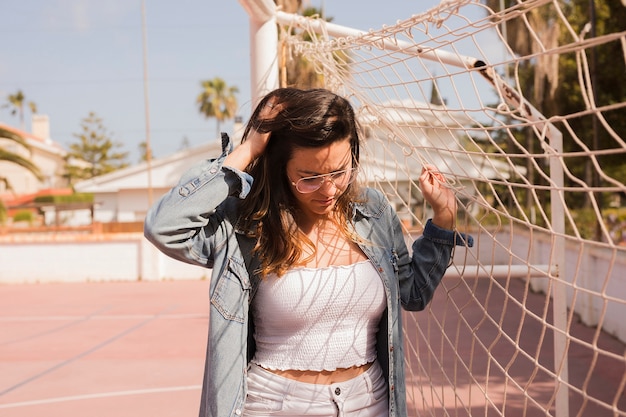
(196, 222)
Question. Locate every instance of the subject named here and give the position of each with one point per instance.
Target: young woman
(309, 270)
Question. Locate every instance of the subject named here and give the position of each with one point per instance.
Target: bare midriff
(322, 377)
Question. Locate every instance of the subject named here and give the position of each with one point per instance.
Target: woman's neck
(331, 245)
(313, 224)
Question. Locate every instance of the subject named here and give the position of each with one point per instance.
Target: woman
(309, 269)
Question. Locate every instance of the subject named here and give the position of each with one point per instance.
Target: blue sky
(73, 57)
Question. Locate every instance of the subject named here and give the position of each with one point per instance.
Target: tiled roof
(32, 138)
(11, 200)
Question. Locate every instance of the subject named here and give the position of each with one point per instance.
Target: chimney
(41, 126)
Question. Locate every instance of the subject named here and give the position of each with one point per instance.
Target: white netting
(532, 320)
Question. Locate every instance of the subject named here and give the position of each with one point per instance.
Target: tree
(14, 158)
(143, 152)
(16, 103)
(289, 6)
(604, 133)
(217, 100)
(298, 71)
(551, 82)
(95, 153)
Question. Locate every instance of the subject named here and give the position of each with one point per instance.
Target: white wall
(595, 277)
(119, 257)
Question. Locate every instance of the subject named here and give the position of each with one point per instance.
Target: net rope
(530, 321)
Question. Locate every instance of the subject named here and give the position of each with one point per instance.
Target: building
(126, 194)
(46, 154)
(19, 187)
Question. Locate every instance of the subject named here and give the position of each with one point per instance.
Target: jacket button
(392, 387)
(238, 412)
(391, 349)
(337, 391)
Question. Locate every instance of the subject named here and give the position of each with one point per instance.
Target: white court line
(101, 395)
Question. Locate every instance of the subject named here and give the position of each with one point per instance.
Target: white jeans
(273, 395)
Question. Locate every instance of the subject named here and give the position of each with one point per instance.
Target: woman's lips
(326, 202)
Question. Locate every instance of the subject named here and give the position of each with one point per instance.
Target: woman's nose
(328, 187)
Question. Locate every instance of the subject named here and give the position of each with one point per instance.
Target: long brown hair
(305, 119)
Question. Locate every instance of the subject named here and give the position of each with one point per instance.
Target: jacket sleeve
(193, 216)
(421, 273)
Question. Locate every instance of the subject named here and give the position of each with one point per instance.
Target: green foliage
(24, 216)
(217, 100)
(606, 73)
(4, 215)
(616, 224)
(15, 102)
(297, 70)
(145, 153)
(95, 153)
(596, 66)
(585, 221)
(65, 199)
(14, 158)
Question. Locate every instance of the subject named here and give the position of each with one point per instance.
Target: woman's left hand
(441, 198)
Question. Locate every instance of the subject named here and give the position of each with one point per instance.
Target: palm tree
(217, 100)
(289, 6)
(523, 42)
(15, 158)
(16, 103)
(296, 70)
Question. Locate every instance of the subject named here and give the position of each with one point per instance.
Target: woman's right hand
(256, 142)
(440, 197)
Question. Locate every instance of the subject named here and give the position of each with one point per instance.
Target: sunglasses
(340, 179)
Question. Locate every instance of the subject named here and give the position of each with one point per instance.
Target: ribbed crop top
(318, 318)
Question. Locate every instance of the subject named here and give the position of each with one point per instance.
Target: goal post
(263, 47)
(444, 87)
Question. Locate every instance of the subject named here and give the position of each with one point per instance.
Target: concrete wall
(595, 276)
(78, 258)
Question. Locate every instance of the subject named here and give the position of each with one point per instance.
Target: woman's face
(333, 159)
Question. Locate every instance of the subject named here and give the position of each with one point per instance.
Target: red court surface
(137, 349)
(102, 349)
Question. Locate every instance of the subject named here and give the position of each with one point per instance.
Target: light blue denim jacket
(196, 222)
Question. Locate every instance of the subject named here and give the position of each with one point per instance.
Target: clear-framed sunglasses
(340, 179)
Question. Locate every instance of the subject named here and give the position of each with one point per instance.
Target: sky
(74, 57)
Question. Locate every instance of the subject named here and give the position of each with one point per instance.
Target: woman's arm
(186, 222)
(430, 258)
(198, 213)
(431, 252)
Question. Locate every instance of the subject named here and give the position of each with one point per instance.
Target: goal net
(523, 108)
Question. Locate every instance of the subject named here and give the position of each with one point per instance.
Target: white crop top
(318, 318)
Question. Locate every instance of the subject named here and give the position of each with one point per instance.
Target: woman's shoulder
(371, 202)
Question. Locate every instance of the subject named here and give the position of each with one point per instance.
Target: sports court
(137, 349)
(102, 349)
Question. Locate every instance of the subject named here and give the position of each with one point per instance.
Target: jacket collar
(371, 203)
